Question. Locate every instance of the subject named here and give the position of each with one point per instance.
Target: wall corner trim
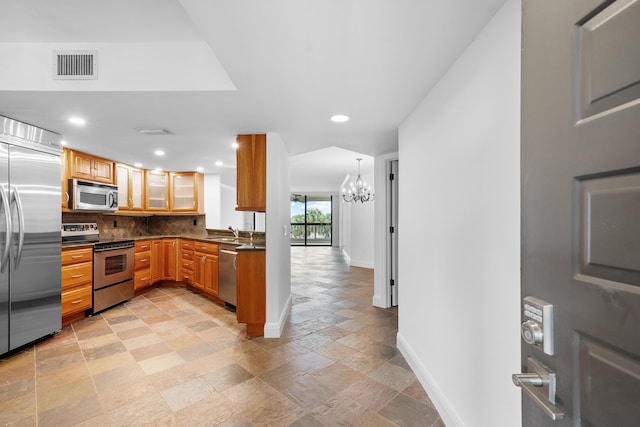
(274, 330)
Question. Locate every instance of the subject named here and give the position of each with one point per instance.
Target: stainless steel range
(113, 264)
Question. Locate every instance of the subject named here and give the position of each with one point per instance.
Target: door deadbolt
(532, 332)
(537, 326)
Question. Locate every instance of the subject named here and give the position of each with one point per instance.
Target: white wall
(229, 216)
(212, 200)
(278, 220)
(460, 269)
(361, 247)
(356, 232)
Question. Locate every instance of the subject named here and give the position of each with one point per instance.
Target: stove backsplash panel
(121, 227)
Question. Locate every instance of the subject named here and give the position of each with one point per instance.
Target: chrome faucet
(236, 232)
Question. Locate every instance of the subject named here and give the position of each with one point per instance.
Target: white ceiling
(207, 70)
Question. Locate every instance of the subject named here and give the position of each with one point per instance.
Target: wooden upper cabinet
(130, 182)
(251, 173)
(186, 192)
(157, 191)
(85, 166)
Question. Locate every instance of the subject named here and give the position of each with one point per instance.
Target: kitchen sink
(225, 239)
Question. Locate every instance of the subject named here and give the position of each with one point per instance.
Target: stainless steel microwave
(94, 196)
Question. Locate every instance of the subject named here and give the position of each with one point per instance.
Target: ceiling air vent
(75, 64)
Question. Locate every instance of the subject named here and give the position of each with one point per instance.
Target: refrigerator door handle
(16, 197)
(7, 213)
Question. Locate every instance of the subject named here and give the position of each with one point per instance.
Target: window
(310, 220)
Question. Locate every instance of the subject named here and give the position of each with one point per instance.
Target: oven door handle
(7, 213)
(15, 196)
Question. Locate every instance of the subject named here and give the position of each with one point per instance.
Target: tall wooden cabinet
(251, 282)
(251, 173)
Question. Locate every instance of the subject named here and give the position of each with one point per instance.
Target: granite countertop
(241, 244)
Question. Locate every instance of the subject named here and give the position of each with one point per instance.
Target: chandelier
(359, 191)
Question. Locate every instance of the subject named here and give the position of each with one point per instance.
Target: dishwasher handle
(226, 251)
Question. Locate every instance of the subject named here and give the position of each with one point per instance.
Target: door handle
(16, 197)
(8, 228)
(539, 384)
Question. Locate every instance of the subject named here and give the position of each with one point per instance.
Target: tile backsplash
(121, 226)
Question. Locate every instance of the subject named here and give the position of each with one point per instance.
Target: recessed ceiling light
(219, 163)
(159, 153)
(158, 169)
(138, 165)
(63, 142)
(234, 145)
(339, 118)
(78, 121)
(199, 168)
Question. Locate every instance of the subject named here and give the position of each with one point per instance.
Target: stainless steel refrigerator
(30, 218)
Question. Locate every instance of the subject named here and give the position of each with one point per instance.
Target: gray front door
(581, 213)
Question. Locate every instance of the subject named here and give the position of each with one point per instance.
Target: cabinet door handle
(77, 276)
(67, 194)
(76, 256)
(144, 260)
(76, 301)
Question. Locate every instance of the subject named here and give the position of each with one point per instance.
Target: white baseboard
(274, 330)
(362, 264)
(442, 404)
(346, 255)
(377, 301)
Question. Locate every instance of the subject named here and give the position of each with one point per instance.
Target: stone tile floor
(172, 358)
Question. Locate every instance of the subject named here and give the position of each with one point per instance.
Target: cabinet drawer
(186, 245)
(142, 245)
(187, 277)
(141, 278)
(75, 256)
(76, 274)
(142, 260)
(186, 264)
(76, 299)
(207, 248)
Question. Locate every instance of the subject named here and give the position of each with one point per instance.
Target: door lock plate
(537, 327)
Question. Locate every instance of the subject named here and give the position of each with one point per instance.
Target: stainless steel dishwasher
(227, 274)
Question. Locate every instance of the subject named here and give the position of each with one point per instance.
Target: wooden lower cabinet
(77, 283)
(156, 260)
(205, 267)
(169, 259)
(142, 269)
(251, 305)
(186, 263)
